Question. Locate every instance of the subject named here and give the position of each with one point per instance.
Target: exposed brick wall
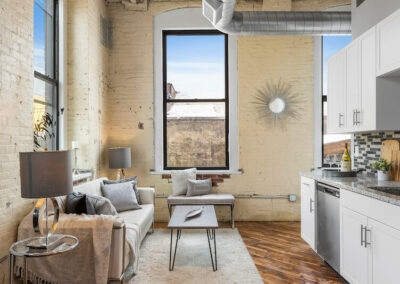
(87, 80)
(16, 107)
(271, 158)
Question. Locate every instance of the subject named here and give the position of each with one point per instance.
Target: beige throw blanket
(89, 261)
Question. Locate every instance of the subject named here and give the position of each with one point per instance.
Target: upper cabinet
(337, 93)
(359, 100)
(389, 44)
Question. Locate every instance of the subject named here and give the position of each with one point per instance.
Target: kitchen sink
(395, 190)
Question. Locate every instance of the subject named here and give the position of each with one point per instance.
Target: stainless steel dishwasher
(328, 226)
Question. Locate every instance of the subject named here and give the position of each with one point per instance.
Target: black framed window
(45, 104)
(332, 144)
(195, 99)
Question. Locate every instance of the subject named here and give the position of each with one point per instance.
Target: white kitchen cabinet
(388, 31)
(366, 116)
(370, 240)
(353, 255)
(369, 103)
(337, 117)
(384, 253)
(353, 83)
(308, 211)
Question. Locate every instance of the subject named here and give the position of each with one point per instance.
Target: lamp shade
(119, 158)
(45, 174)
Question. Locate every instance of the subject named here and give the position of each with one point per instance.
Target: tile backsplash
(370, 148)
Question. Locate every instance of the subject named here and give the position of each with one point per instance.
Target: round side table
(21, 249)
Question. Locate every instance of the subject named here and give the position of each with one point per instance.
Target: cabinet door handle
(311, 202)
(340, 120)
(366, 230)
(362, 235)
(358, 118)
(354, 117)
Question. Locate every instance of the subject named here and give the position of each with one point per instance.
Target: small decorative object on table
(194, 213)
(383, 167)
(119, 158)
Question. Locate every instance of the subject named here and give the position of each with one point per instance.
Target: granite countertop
(359, 184)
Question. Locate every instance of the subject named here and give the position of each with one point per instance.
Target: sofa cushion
(91, 187)
(102, 205)
(179, 180)
(198, 187)
(209, 199)
(77, 203)
(143, 217)
(121, 195)
(132, 180)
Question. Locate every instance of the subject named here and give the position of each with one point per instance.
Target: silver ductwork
(222, 15)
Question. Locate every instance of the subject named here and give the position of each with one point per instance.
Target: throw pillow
(102, 205)
(77, 203)
(121, 195)
(133, 180)
(179, 180)
(199, 187)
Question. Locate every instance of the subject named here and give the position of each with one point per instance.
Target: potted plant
(383, 167)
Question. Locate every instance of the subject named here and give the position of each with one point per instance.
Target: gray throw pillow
(198, 187)
(133, 180)
(102, 205)
(121, 195)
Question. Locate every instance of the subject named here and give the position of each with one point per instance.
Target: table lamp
(119, 158)
(45, 175)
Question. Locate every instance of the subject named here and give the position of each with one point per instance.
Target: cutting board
(391, 152)
(387, 147)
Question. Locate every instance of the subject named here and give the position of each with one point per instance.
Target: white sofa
(144, 218)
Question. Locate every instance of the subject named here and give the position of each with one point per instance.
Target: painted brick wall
(16, 106)
(87, 80)
(370, 148)
(271, 158)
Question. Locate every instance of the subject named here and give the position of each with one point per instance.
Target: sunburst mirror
(277, 103)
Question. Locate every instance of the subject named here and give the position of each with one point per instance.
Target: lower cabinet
(384, 253)
(308, 211)
(353, 254)
(370, 249)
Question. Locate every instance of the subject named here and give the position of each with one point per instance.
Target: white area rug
(193, 261)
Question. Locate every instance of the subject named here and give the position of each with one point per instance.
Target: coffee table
(206, 220)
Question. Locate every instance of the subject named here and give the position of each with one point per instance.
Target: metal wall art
(277, 103)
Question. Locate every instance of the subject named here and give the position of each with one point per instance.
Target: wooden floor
(280, 254)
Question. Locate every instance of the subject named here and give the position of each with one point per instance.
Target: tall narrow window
(333, 144)
(45, 75)
(195, 77)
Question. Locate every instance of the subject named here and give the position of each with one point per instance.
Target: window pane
(334, 144)
(195, 66)
(44, 125)
(44, 38)
(196, 135)
(44, 92)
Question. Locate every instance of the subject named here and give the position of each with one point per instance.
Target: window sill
(210, 172)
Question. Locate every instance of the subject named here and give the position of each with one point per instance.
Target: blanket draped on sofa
(89, 261)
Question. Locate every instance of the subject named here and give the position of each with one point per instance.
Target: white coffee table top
(206, 220)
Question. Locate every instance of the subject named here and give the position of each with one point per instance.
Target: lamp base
(45, 243)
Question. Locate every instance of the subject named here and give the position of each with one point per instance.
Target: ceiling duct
(222, 15)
